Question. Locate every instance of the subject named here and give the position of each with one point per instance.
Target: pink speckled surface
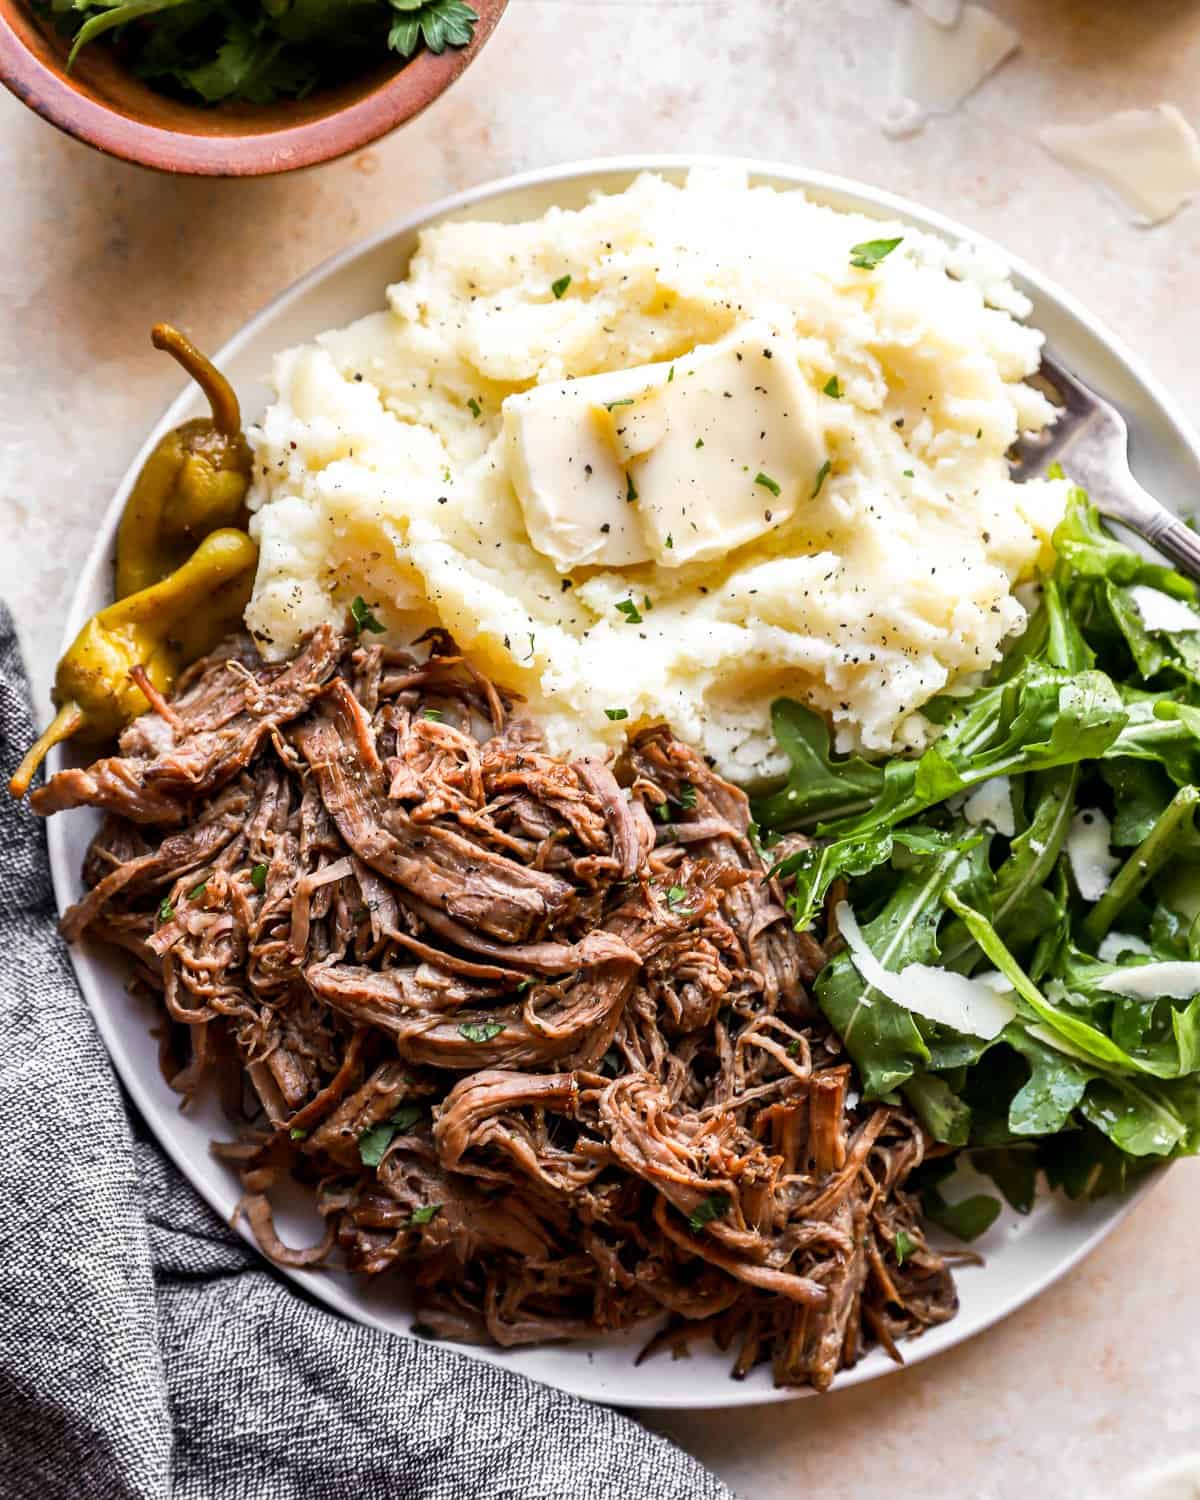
(1098, 1378)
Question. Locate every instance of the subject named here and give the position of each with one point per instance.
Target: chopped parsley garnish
(373, 1143)
(480, 1031)
(699, 442)
(559, 287)
(624, 401)
(822, 475)
(197, 891)
(909, 474)
(630, 610)
(475, 408)
(676, 896)
(165, 910)
(767, 483)
(670, 374)
(364, 619)
(670, 542)
(715, 1206)
(662, 811)
(297, 1134)
(794, 1048)
(868, 255)
(904, 1245)
(258, 877)
(524, 985)
(616, 713)
(432, 713)
(687, 795)
(630, 489)
(425, 1214)
(832, 388)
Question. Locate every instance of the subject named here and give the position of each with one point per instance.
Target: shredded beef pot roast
(537, 1032)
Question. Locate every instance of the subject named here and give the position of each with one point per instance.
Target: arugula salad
(1020, 905)
(259, 50)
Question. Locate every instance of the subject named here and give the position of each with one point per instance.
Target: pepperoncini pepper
(193, 483)
(132, 651)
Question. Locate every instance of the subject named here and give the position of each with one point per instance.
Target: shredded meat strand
(535, 1032)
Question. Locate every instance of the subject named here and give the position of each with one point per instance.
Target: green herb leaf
(297, 1134)
(363, 617)
(631, 493)
(475, 409)
(197, 891)
(716, 1206)
(822, 475)
(433, 713)
(767, 483)
(616, 713)
(832, 388)
(426, 1213)
(687, 795)
(441, 23)
(903, 1245)
(559, 287)
(165, 910)
(373, 1143)
(258, 878)
(868, 255)
(480, 1031)
(629, 609)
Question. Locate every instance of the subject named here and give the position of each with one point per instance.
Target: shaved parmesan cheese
(943, 12)
(973, 1006)
(1160, 612)
(1116, 943)
(1092, 863)
(941, 59)
(1149, 157)
(1179, 1480)
(1176, 980)
(992, 803)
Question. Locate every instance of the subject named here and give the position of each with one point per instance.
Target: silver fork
(1091, 441)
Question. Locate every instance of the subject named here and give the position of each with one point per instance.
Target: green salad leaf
(1097, 1074)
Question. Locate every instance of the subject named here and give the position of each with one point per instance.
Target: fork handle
(1174, 539)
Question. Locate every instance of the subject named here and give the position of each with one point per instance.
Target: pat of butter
(572, 487)
(670, 463)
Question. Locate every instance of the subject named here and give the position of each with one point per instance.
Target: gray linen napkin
(147, 1353)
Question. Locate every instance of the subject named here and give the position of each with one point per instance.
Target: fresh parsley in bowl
(236, 88)
(259, 51)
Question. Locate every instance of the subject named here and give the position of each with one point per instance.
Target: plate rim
(872, 202)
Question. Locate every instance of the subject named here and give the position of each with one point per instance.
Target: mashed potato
(382, 470)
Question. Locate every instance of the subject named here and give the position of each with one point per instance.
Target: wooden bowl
(103, 104)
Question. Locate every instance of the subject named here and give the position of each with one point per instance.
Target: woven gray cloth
(146, 1352)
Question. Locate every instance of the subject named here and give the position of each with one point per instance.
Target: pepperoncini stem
(146, 638)
(222, 398)
(64, 724)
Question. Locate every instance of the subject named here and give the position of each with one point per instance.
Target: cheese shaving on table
(945, 53)
(1150, 158)
(978, 1007)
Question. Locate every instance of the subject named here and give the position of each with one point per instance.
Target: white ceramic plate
(1022, 1255)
